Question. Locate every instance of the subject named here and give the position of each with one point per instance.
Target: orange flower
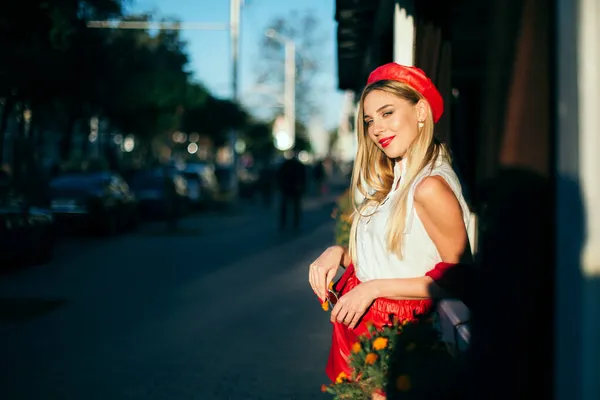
(325, 305)
(403, 383)
(411, 346)
(323, 388)
(341, 377)
(356, 347)
(330, 285)
(380, 343)
(371, 358)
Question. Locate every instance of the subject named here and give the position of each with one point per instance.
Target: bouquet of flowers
(397, 361)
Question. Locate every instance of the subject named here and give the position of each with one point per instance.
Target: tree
(39, 61)
(259, 140)
(56, 66)
(146, 81)
(304, 30)
(215, 118)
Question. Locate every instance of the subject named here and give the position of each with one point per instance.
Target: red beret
(415, 78)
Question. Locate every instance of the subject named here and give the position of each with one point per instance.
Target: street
(222, 310)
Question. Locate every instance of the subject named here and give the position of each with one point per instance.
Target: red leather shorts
(380, 314)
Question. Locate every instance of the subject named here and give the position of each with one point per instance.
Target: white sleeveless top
(420, 255)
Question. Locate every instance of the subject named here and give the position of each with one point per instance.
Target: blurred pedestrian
(291, 178)
(319, 176)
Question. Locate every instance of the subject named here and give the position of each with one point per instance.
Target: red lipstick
(385, 142)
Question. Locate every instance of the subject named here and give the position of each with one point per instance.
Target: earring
(421, 124)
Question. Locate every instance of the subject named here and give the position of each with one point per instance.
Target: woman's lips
(385, 142)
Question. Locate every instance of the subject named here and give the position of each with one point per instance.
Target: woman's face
(391, 122)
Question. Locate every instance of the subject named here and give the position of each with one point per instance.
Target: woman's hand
(322, 271)
(353, 305)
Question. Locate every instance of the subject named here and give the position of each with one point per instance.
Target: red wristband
(439, 270)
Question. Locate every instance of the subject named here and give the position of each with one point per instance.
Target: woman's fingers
(354, 321)
(312, 278)
(335, 312)
(349, 317)
(322, 282)
(316, 279)
(340, 314)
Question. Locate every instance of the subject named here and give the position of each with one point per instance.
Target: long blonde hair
(373, 171)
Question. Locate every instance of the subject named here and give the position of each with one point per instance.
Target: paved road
(222, 313)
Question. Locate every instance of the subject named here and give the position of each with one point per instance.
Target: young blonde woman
(412, 222)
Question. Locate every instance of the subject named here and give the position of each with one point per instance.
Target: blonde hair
(373, 171)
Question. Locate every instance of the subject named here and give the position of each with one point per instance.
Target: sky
(210, 56)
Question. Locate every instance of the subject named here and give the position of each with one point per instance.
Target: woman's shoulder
(436, 182)
(432, 188)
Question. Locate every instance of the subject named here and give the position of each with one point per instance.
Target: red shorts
(380, 313)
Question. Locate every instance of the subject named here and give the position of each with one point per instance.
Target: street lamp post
(290, 81)
(234, 31)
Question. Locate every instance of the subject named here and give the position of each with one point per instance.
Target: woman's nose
(377, 128)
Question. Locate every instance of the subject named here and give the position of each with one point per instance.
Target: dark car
(161, 191)
(201, 178)
(27, 234)
(100, 202)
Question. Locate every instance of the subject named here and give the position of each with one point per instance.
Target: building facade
(521, 84)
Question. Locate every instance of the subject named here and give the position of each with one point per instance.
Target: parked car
(101, 202)
(247, 181)
(160, 191)
(194, 188)
(27, 234)
(203, 175)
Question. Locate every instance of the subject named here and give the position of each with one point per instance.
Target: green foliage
(400, 360)
(214, 117)
(139, 81)
(343, 221)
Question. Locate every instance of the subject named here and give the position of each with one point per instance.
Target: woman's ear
(422, 108)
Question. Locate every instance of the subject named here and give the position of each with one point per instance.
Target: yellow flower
(335, 212)
(411, 346)
(341, 377)
(356, 347)
(403, 383)
(371, 358)
(325, 305)
(380, 343)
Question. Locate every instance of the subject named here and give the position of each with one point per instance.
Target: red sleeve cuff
(439, 270)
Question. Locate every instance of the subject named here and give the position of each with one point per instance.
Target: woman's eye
(369, 123)
(385, 114)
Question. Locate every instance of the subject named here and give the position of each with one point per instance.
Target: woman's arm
(441, 215)
(345, 260)
(343, 254)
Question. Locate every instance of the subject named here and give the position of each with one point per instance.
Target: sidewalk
(173, 318)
